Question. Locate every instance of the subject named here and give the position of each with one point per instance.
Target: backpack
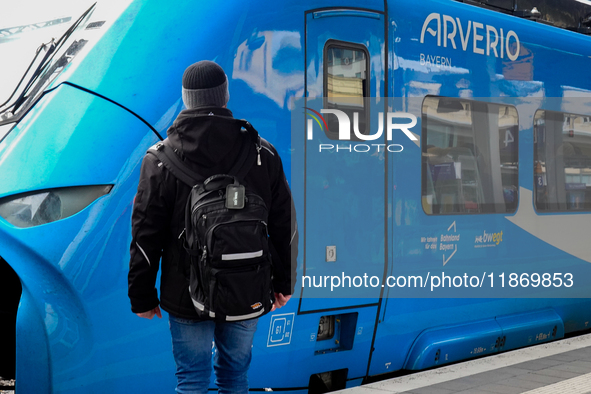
(225, 235)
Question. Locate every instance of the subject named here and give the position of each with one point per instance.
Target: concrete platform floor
(561, 367)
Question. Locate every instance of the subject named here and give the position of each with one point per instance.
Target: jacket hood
(205, 140)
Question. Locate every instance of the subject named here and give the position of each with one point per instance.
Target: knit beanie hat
(205, 84)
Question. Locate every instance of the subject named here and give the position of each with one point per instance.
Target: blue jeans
(192, 348)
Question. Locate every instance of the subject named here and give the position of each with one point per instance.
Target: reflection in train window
(346, 83)
(470, 162)
(562, 161)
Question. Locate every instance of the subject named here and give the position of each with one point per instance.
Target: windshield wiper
(37, 52)
(8, 110)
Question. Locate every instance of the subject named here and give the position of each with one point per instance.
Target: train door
(344, 185)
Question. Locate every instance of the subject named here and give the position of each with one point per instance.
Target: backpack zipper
(204, 255)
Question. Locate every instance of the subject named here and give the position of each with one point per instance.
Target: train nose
(69, 173)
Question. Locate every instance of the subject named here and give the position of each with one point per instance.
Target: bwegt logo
(344, 133)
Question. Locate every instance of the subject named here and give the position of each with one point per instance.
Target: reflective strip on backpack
(245, 317)
(241, 256)
(201, 307)
(197, 305)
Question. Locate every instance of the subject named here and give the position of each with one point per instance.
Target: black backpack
(226, 236)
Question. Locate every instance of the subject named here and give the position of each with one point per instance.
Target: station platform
(561, 367)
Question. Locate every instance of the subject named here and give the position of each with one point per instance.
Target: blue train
(493, 186)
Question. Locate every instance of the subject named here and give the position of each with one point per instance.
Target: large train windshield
(470, 161)
(562, 161)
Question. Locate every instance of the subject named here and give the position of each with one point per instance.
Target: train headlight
(46, 206)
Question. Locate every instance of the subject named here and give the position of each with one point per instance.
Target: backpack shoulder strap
(174, 164)
(244, 161)
(185, 174)
(246, 158)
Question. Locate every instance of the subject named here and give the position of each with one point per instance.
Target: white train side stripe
(567, 232)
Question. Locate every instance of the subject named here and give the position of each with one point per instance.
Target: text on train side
(497, 42)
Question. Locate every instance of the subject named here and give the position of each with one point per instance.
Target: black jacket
(210, 146)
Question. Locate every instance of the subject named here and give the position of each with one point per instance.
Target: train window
(346, 83)
(562, 161)
(469, 151)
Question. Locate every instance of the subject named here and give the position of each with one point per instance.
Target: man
(209, 146)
